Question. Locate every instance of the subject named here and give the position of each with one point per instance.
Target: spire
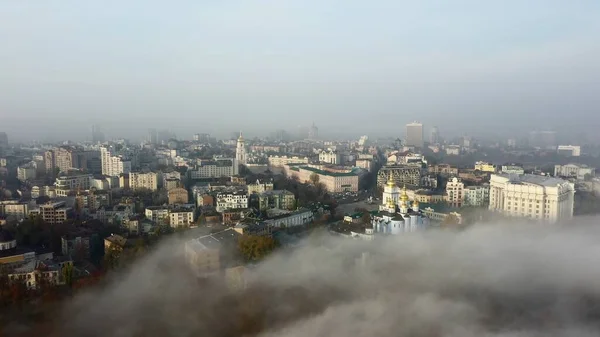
(240, 138)
(390, 181)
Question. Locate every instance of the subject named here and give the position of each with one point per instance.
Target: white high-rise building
(532, 196)
(414, 134)
(113, 165)
(240, 151)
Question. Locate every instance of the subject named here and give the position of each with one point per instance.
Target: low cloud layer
(502, 280)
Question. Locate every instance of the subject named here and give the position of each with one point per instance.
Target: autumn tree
(314, 178)
(254, 248)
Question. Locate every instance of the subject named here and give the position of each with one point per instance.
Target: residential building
(429, 197)
(476, 195)
(178, 196)
(181, 216)
(55, 212)
(216, 168)
(537, 197)
(279, 199)
(364, 164)
(414, 134)
(66, 183)
(281, 161)
(114, 165)
(434, 136)
(443, 169)
(156, 213)
(27, 172)
(578, 171)
(484, 167)
(171, 183)
(330, 156)
(452, 150)
(147, 180)
(114, 241)
(260, 187)
(569, 150)
(67, 158)
(232, 200)
(455, 195)
(33, 273)
(75, 246)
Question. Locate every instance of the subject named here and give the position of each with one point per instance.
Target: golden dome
(415, 203)
(404, 196)
(390, 181)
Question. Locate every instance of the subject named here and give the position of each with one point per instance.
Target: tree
(314, 178)
(254, 248)
(67, 274)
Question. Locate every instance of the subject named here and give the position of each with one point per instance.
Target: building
(414, 134)
(113, 165)
(75, 246)
(281, 161)
(299, 217)
(453, 150)
(3, 139)
(201, 137)
(542, 139)
(260, 187)
(209, 254)
(27, 172)
(156, 213)
(55, 213)
(139, 180)
(569, 150)
(330, 156)
(434, 136)
(240, 151)
(578, 171)
(443, 169)
(278, 199)
(66, 183)
(34, 273)
(476, 195)
(216, 168)
(455, 195)
(178, 196)
(67, 158)
(182, 216)
(395, 215)
(537, 197)
(400, 174)
(232, 200)
(313, 132)
(512, 169)
(364, 164)
(14, 208)
(484, 167)
(333, 180)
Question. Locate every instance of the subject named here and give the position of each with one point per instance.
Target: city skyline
(466, 67)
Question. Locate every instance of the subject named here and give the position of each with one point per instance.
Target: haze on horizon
(351, 66)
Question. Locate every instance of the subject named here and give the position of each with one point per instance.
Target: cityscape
(275, 170)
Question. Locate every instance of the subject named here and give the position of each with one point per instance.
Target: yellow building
(485, 167)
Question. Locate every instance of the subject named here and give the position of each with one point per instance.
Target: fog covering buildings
(496, 280)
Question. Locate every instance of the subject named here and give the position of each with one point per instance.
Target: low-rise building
(208, 255)
(280, 199)
(484, 167)
(178, 196)
(477, 195)
(330, 156)
(333, 180)
(260, 187)
(156, 213)
(577, 171)
(232, 200)
(13, 208)
(569, 150)
(181, 217)
(299, 217)
(216, 168)
(55, 212)
(512, 169)
(281, 161)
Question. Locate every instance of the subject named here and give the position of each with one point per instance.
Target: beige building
(279, 199)
(537, 197)
(334, 181)
(181, 217)
(55, 213)
(178, 196)
(139, 180)
(13, 208)
(260, 187)
(577, 171)
(455, 194)
(280, 161)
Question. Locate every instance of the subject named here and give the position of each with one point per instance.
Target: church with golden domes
(397, 214)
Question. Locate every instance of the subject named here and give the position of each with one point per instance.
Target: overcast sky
(359, 67)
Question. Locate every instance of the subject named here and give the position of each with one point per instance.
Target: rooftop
(532, 179)
(328, 173)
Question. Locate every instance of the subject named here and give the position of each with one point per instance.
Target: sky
(352, 67)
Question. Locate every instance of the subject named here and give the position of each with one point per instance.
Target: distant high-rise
(240, 151)
(543, 139)
(414, 134)
(152, 136)
(97, 134)
(434, 136)
(3, 139)
(313, 132)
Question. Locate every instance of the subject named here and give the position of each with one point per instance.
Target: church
(396, 215)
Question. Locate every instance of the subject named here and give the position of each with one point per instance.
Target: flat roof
(328, 173)
(533, 179)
